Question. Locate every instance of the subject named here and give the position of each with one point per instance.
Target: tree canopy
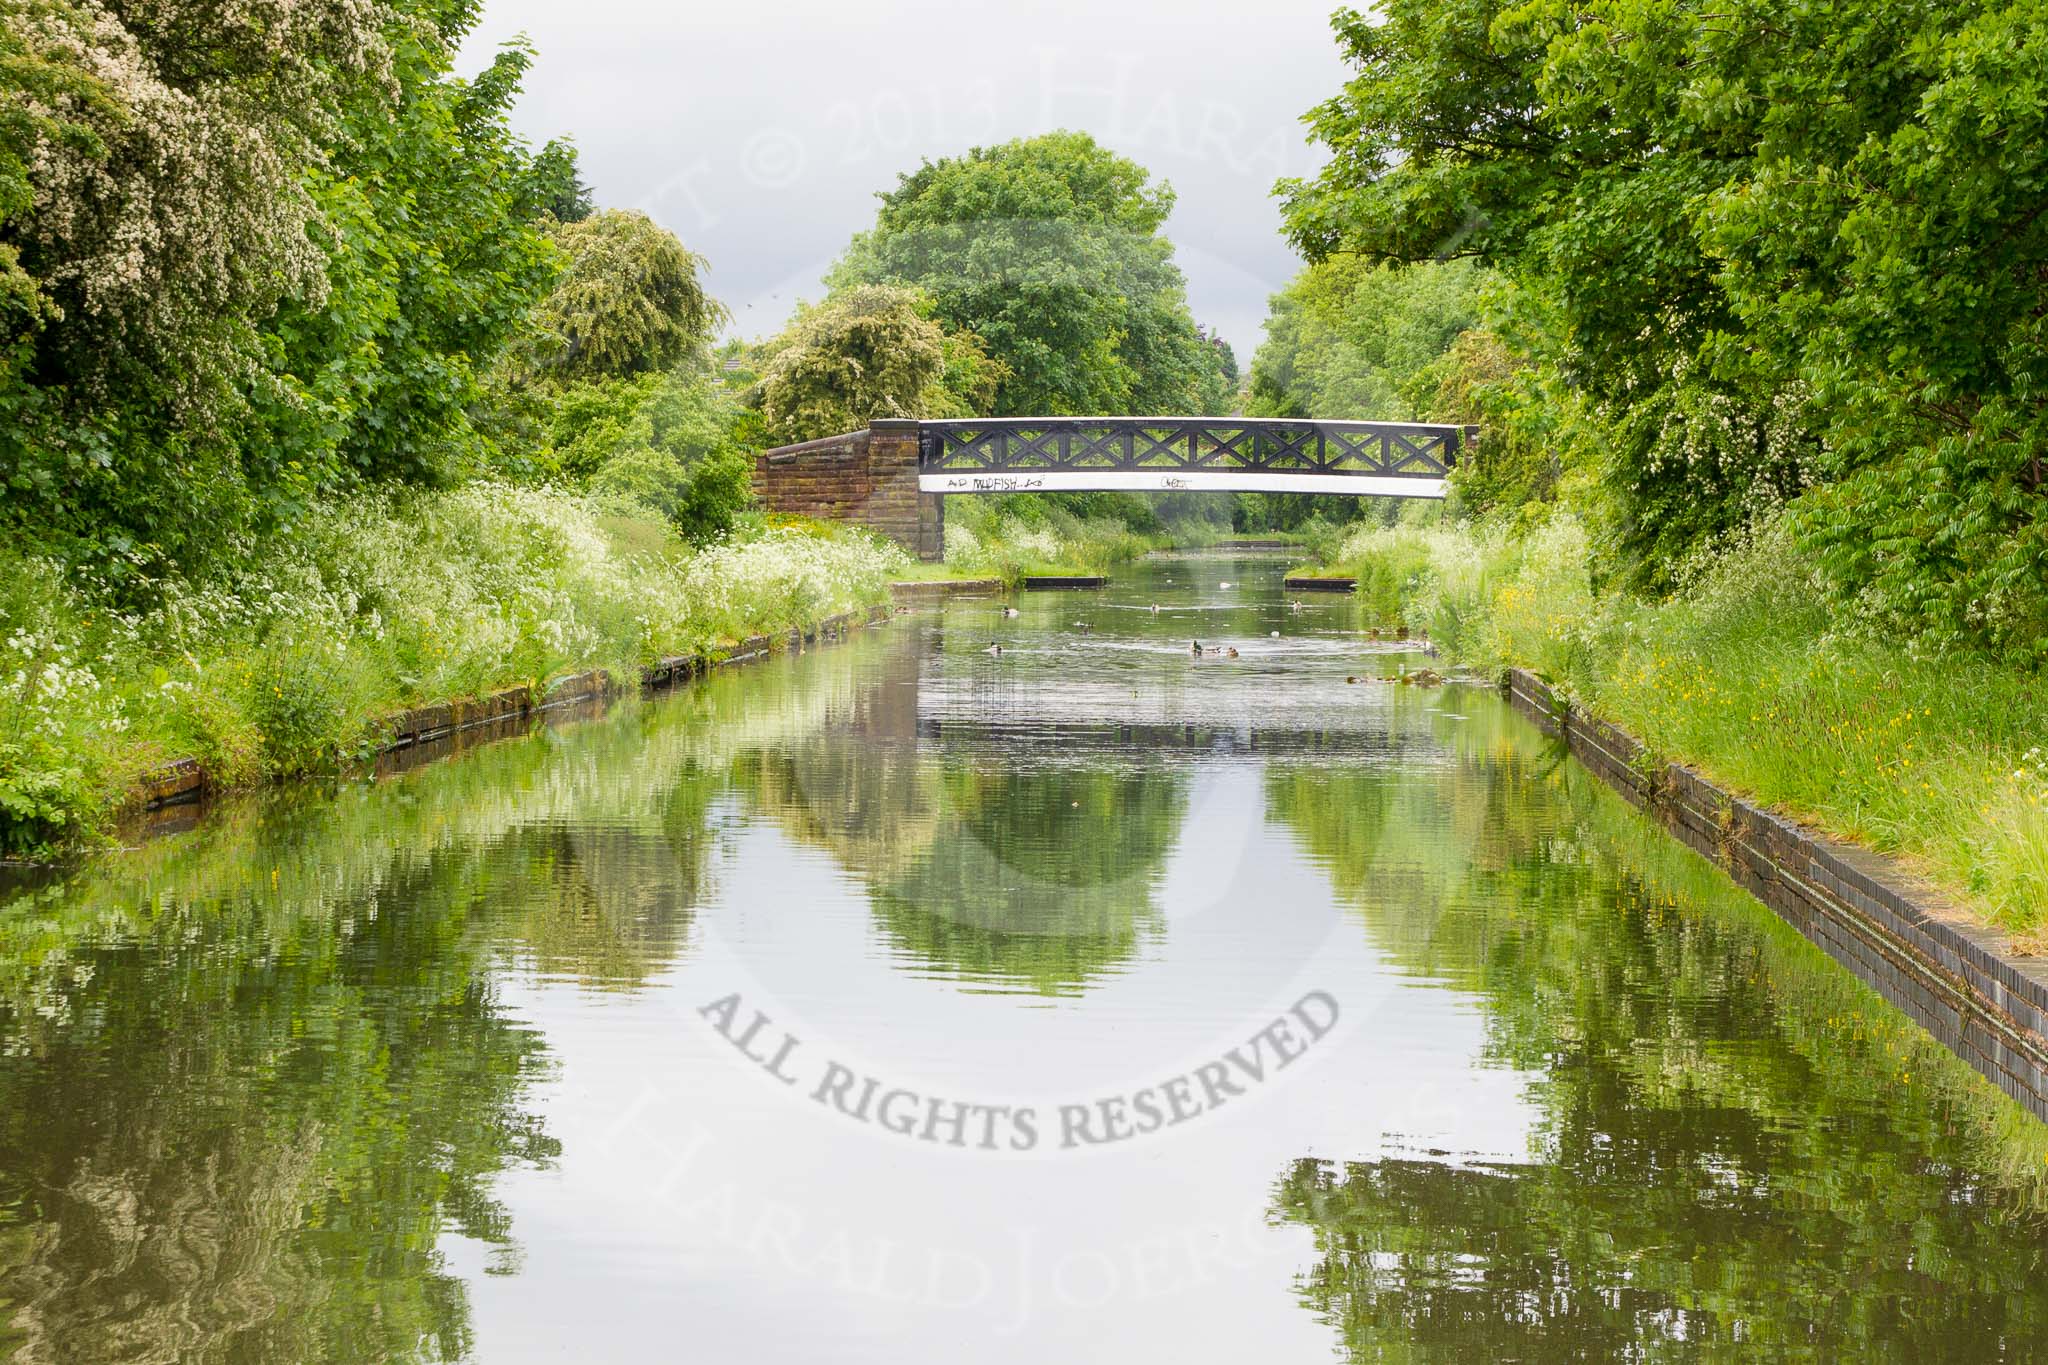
(1048, 248)
(870, 351)
(1355, 341)
(246, 262)
(1786, 250)
(558, 182)
(629, 300)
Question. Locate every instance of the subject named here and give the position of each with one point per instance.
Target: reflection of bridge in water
(922, 695)
(1011, 821)
(1045, 738)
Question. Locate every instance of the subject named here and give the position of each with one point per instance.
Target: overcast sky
(759, 131)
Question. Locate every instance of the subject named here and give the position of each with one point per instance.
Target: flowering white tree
(180, 223)
(250, 251)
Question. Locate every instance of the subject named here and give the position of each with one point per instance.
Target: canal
(905, 1001)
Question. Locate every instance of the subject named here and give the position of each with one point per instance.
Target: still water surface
(905, 1002)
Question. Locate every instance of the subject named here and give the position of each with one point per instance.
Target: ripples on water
(902, 1002)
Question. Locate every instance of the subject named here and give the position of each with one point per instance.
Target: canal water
(905, 1001)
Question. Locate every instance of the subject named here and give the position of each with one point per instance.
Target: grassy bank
(1748, 674)
(983, 538)
(367, 607)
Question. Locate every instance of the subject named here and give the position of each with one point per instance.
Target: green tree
(48, 98)
(1353, 341)
(435, 263)
(1048, 248)
(271, 257)
(610, 391)
(1893, 254)
(558, 183)
(869, 351)
(629, 301)
(670, 445)
(1464, 133)
(166, 217)
(1782, 248)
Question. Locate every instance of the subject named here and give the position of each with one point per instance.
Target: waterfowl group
(1196, 649)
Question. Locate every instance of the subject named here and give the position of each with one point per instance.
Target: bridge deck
(1024, 454)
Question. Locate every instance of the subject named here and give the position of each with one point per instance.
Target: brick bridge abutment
(865, 478)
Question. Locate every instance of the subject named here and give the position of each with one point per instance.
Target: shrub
(666, 445)
(1017, 537)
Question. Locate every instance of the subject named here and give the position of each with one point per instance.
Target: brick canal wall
(867, 478)
(1953, 978)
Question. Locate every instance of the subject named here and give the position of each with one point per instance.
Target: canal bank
(1756, 676)
(510, 711)
(283, 665)
(1951, 976)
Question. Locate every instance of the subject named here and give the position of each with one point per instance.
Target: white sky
(759, 131)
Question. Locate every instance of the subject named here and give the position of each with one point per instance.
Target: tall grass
(1749, 675)
(366, 607)
(1061, 543)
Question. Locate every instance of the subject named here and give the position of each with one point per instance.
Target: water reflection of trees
(983, 860)
(1019, 875)
(1043, 876)
(874, 807)
(249, 1078)
(609, 905)
(1736, 1143)
(244, 1138)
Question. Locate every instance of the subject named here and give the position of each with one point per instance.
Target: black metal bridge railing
(1004, 454)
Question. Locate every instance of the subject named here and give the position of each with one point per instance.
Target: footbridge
(892, 476)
